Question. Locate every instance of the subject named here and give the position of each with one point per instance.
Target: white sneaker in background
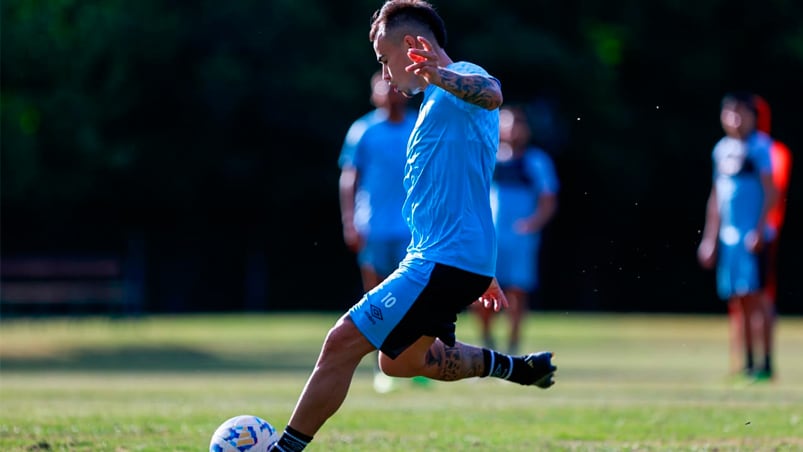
(383, 383)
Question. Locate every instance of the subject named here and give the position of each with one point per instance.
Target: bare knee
(344, 343)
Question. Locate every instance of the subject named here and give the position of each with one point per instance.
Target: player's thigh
(382, 309)
(420, 299)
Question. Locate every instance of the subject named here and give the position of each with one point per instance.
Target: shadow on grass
(159, 359)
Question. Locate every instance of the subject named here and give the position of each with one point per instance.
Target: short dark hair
(406, 12)
(745, 98)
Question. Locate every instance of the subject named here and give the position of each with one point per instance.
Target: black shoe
(540, 371)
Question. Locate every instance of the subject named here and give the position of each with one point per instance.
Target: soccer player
(781, 159)
(524, 198)
(450, 263)
(372, 192)
(742, 194)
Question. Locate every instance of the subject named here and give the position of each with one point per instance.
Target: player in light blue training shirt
(410, 317)
(524, 200)
(450, 163)
(371, 190)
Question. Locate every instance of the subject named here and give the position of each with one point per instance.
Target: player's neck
(396, 114)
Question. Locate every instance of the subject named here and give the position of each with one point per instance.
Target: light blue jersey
(377, 147)
(518, 183)
(738, 166)
(452, 253)
(450, 162)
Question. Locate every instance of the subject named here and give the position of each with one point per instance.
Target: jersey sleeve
(542, 171)
(349, 150)
(466, 68)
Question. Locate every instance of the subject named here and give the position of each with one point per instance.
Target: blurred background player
(742, 194)
(524, 199)
(371, 190)
(781, 159)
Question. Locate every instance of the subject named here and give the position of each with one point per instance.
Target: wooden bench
(67, 285)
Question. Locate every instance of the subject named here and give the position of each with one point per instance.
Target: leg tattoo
(454, 363)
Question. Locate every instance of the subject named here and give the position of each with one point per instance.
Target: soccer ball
(244, 433)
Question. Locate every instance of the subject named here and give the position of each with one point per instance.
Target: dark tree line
(208, 132)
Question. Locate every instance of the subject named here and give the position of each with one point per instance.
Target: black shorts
(420, 298)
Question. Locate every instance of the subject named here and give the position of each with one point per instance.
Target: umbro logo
(376, 313)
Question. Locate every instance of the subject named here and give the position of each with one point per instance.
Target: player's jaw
(400, 83)
(406, 83)
(406, 93)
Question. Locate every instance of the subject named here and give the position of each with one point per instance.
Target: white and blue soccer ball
(243, 433)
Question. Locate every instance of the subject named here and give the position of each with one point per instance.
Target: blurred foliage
(210, 121)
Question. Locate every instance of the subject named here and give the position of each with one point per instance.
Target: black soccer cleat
(539, 370)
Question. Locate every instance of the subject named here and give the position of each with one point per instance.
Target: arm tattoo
(475, 89)
(455, 363)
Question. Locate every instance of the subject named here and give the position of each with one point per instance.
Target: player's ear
(410, 42)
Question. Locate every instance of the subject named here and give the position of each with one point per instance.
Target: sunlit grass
(625, 382)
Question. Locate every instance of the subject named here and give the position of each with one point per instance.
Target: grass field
(625, 383)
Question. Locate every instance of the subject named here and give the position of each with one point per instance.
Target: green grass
(625, 383)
